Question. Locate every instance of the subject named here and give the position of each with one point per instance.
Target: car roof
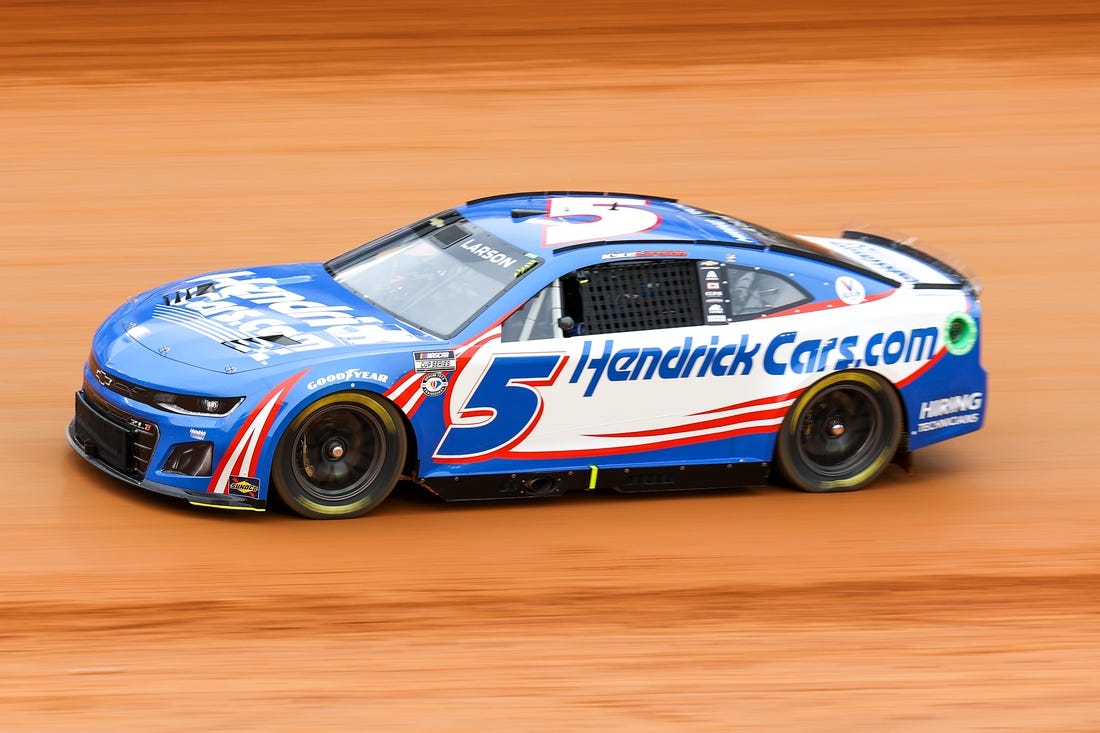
(520, 218)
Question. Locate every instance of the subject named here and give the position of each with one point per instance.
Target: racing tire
(340, 457)
(840, 434)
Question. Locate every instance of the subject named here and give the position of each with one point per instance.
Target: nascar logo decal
(240, 460)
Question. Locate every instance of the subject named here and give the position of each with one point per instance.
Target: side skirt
(624, 480)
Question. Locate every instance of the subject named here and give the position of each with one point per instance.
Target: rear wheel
(340, 457)
(841, 433)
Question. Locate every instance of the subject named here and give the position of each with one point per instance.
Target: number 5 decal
(508, 400)
(592, 219)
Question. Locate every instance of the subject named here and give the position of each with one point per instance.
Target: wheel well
(412, 455)
(822, 455)
(902, 455)
(411, 469)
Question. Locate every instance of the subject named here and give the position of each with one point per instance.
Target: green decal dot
(960, 332)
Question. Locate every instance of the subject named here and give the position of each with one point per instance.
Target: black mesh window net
(638, 296)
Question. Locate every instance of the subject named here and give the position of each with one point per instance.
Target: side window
(753, 292)
(653, 294)
(633, 296)
(611, 298)
(535, 319)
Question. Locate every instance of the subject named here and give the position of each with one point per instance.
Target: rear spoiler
(964, 279)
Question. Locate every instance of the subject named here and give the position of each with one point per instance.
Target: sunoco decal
(244, 486)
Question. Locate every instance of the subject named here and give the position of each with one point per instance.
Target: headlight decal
(184, 404)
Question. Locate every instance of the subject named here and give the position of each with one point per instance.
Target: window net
(637, 296)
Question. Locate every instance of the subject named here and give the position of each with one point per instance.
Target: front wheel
(840, 434)
(340, 457)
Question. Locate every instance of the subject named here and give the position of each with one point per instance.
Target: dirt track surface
(143, 143)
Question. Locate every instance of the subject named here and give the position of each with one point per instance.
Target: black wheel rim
(338, 451)
(838, 431)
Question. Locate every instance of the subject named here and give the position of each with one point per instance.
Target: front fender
(251, 452)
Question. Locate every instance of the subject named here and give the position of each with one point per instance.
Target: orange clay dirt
(143, 142)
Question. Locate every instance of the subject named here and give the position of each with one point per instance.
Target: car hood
(247, 319)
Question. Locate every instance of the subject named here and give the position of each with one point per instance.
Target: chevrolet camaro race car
(530, 344)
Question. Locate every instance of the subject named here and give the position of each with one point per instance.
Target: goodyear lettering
(785, 353)
(486, 252)
(347, 376)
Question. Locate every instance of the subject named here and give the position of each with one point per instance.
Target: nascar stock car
(530, 344)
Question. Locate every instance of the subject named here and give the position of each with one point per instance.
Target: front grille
(113, 436)
(121, 386)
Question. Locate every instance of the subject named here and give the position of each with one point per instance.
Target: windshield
(436, 275)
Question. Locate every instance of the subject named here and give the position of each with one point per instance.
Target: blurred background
(147, 141)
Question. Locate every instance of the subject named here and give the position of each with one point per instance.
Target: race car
(530, 344)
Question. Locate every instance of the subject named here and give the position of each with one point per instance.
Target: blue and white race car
(530, 344)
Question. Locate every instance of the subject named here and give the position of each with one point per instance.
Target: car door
(621, 362)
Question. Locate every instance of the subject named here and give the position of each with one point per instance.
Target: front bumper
(121, 446)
